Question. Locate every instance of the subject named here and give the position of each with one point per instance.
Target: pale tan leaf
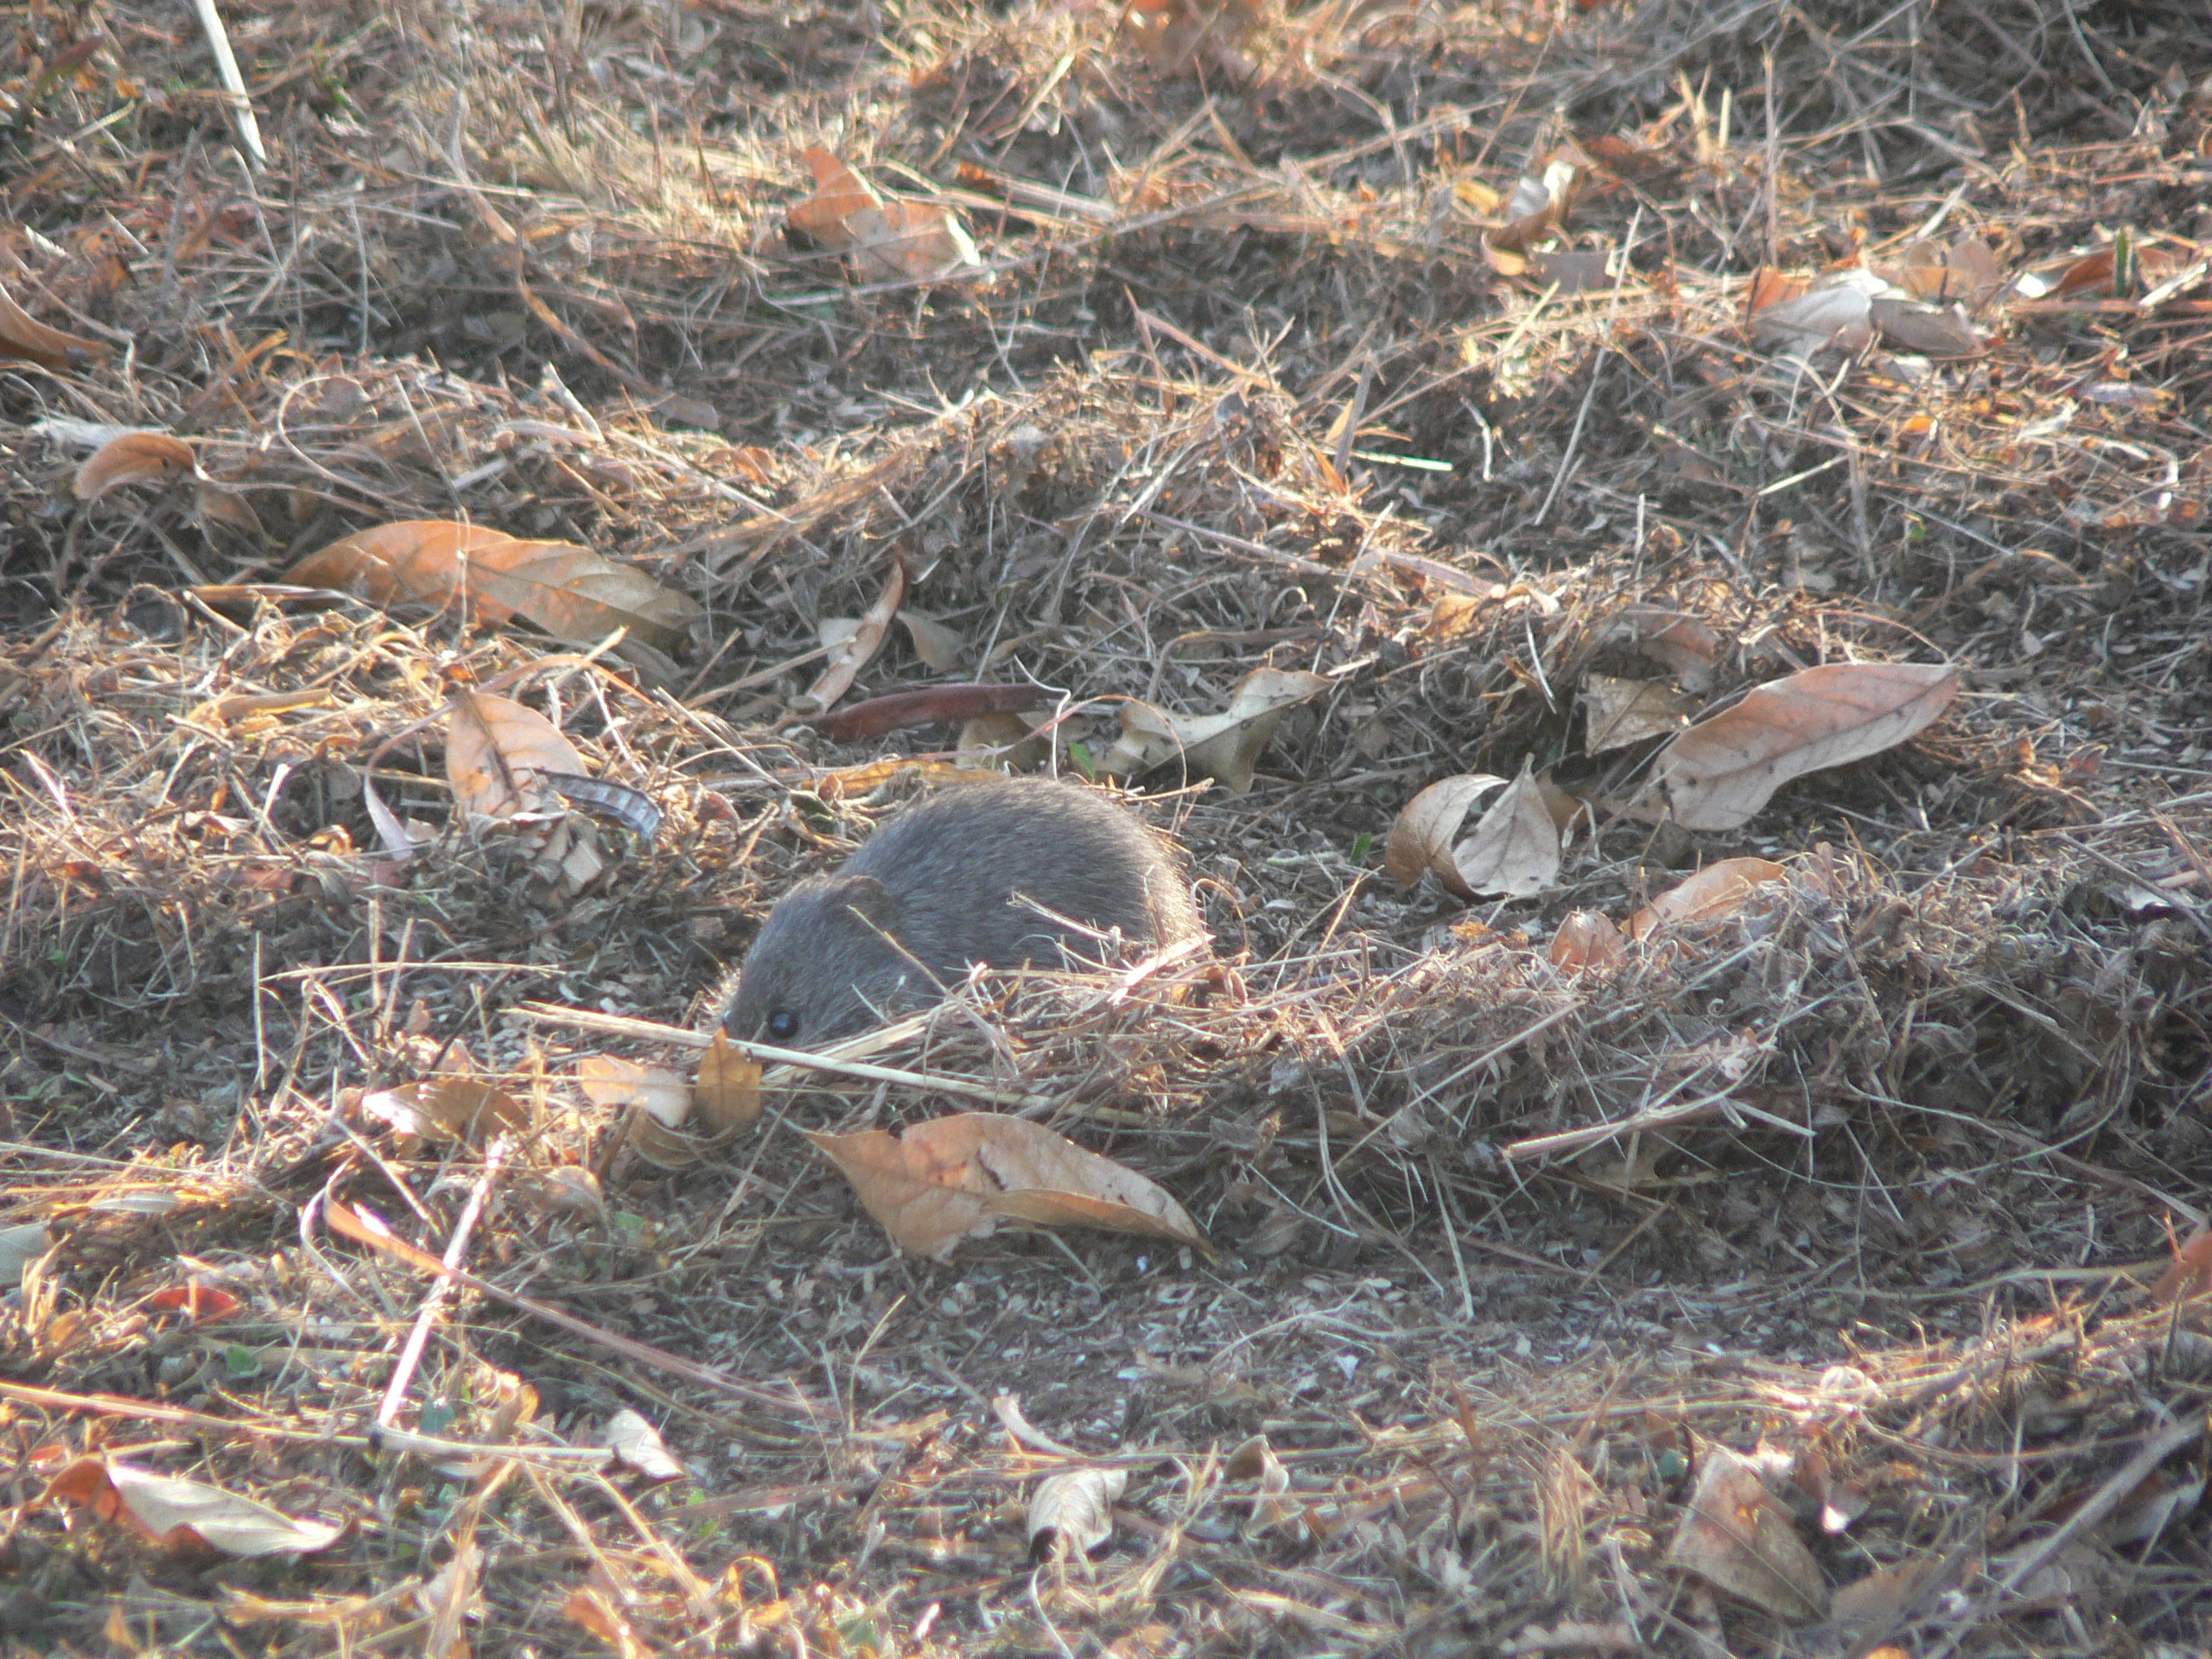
(1537, 208)
(20, 1246)
(1720, 772)
(1515, 849)
(131, 458)
(658, 1100)
(1225, 746)
(1884, 1598)
(858, 649)
(1719, 890)
(1072, 1514)
(1617, 713)
(955, 1178)
(1736, 1534)
(449, 1597)
(1837, 318)
(1964, 272)
(1931, 331)
(1680, 643)
(889, 241)
(636, 1444)
(22, 335)
(1273, 1506)
(571, 592)
(1586, 939)
(1427, 826)
(178, 1513)
(471, 1110)
(940, 648)
(728, 1094)
(1007, 741)
(496, 750)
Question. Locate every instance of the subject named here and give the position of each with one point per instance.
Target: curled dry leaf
(1515, 849)
(929, 705)
(1421, 837)
(24, 337)
(956, 1178)
(727, 1094)
(1072, 1514)
(20, 1246)
(1838, 317)
(2189, 1274)
(497, 753)
(658, 1102)
(1587, 939)
(1273, 1506)
(184, 1514)
(468, 1109)
(1225, 746)
(941, 648)
(636, 1444)
(131, 458)
(1929, 330)
(1717, 890)
(1965, 271)
(855, 651)
(1720, 772)
(1617, 713)
(1679, 643)
(1736, 1534)
(1536, 209)
(571, 592)
(897, 240)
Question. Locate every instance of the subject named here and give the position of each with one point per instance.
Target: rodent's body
(965, 878)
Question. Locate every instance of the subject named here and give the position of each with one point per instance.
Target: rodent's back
(958, 880)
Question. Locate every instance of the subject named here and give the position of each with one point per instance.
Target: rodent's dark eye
(783, 1026)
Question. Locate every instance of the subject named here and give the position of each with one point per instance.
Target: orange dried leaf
(2189, 1274)
(22, 335)
(727, 1094)
(184, 1514)
(1586, 939)
(1739, 1536)
(131, 458)
(1717, 890)
(956, 1178)
(496, 751)
(1720, 772)
(889, 241)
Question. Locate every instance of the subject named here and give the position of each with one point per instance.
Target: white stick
(227, 66)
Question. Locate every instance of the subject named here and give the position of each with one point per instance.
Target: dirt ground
(1801, 1279)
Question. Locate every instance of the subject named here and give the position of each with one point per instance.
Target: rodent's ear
(864, 895)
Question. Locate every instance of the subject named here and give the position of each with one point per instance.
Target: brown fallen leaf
(941, 648)
(1720, 889)
(1617, 713)
(1720, 772)
(571, 592)
(1586, 939)
(175, 1513)
(1838, 317)
(857, 649)
(1927, 330)
(2189, 1274)
(1072, 1514)
(928, 705)
(659, 1103)
(1679, 643)
(728, 1093)
(1736, 1534)
(638, 1445)
(471, 1111)
(24, 336)
(496, 754)
(900, 240)
(1515, 849)
(1964, 272)
(1226, 746)
(131, 458)
(1425, 827)
(956, 1178)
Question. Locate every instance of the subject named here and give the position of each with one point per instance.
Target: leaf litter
(1267, 392)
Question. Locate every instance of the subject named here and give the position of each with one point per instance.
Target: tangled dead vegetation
(1783, 1235)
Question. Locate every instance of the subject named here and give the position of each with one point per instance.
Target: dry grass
(527, 267)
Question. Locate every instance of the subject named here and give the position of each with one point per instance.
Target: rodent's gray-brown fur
(957, 880)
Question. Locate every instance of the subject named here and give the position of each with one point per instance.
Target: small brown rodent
(960, 880)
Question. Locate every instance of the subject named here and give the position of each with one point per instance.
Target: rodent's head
(822, 968)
